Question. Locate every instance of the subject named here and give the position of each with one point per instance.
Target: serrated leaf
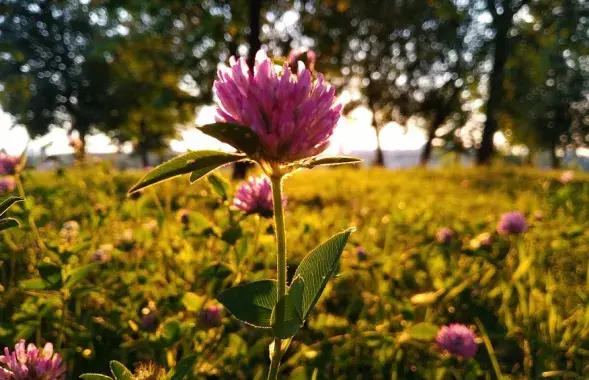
(329, 161)
(252, 303)
(33, 284)
(318, 266)
(219, 185)
(7, 203)
(201, 162)
(287, 314)
(95, 376)
(79, 274)
(217, 269)
(192, 301)
(119, 371)
(238, 136)
(423, 331)
(8, 223)
(182, 369)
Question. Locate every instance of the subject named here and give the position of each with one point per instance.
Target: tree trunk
(255, 10)
(503, 24)
(379, 158)
(80, 152)
(554, 159)
(427, 148)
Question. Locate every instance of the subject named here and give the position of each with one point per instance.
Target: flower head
(211, 315)
(458, 340)
(444, 235)
(27, 362)
(254, 196)
(183, 216)
(102, 254)
(293, 114)
(294, 55)
(512, 223)
(7, 185)
(567, 176)
(70, 230)
(361, 253)
(9, 165)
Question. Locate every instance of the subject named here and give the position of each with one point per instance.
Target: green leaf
(329, 161)
(200, 162)
(217, 269)
(171, 330)
(238, 136)
(232, 234)
(119, 371)
(219, 185)
(7, 203)
(79, 274)
(95, 376)
(50, 272)
(182, 369)
(8, 223)
(318, 266)
(287, 314)
(252, 303)
(423, 331)
(33, 284)
(192, 301)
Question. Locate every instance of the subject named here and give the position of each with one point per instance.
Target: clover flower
(254, 196)
(458, 340)
(102, 254)
(70, 231)
(444, 235)
(9, 165)
(211, 315)
(7, 185)
(567, 176)
(27, 362)
(512, 223)
(292, 114)
(361, 254)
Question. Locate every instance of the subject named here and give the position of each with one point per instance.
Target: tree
(404, 57)
(53, 70)
(502, 13)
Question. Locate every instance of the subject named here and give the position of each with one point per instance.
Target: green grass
(377, 317)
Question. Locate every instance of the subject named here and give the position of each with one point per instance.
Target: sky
(354, 133)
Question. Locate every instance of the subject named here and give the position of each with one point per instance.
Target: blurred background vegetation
(462, 70)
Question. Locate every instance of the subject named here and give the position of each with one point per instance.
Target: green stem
(32, 223)
(280, 266)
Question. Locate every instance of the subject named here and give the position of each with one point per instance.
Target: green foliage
(199, 163)
(150, 301)
(252, 303)
(6, 223)
(238, 136)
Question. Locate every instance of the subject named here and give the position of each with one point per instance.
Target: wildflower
(294, 55)
(30, 363)
(7, 185)
(149, 371)
(149, 321)
(444, 235)
(255, 197)
(361, 254)
(458, 340)
(211, 315)
(183, 216)
(102, 254)
(567, 176)
(539, 215)
(512, 223)
(70, 230)
(293, 114)
(9, 165)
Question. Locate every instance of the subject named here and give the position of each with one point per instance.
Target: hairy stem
(280, 266)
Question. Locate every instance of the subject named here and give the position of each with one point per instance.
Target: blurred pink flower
(7, 185)
(254, 196)
(567, 176)
(293, 114)
(512, 223)
(458, 340)
(444, 235)
(293, 57)
(9, 165)
(29, 363)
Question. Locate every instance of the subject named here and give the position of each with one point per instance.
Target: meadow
(134, 279)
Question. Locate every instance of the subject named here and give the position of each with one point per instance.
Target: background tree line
(462, 69)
